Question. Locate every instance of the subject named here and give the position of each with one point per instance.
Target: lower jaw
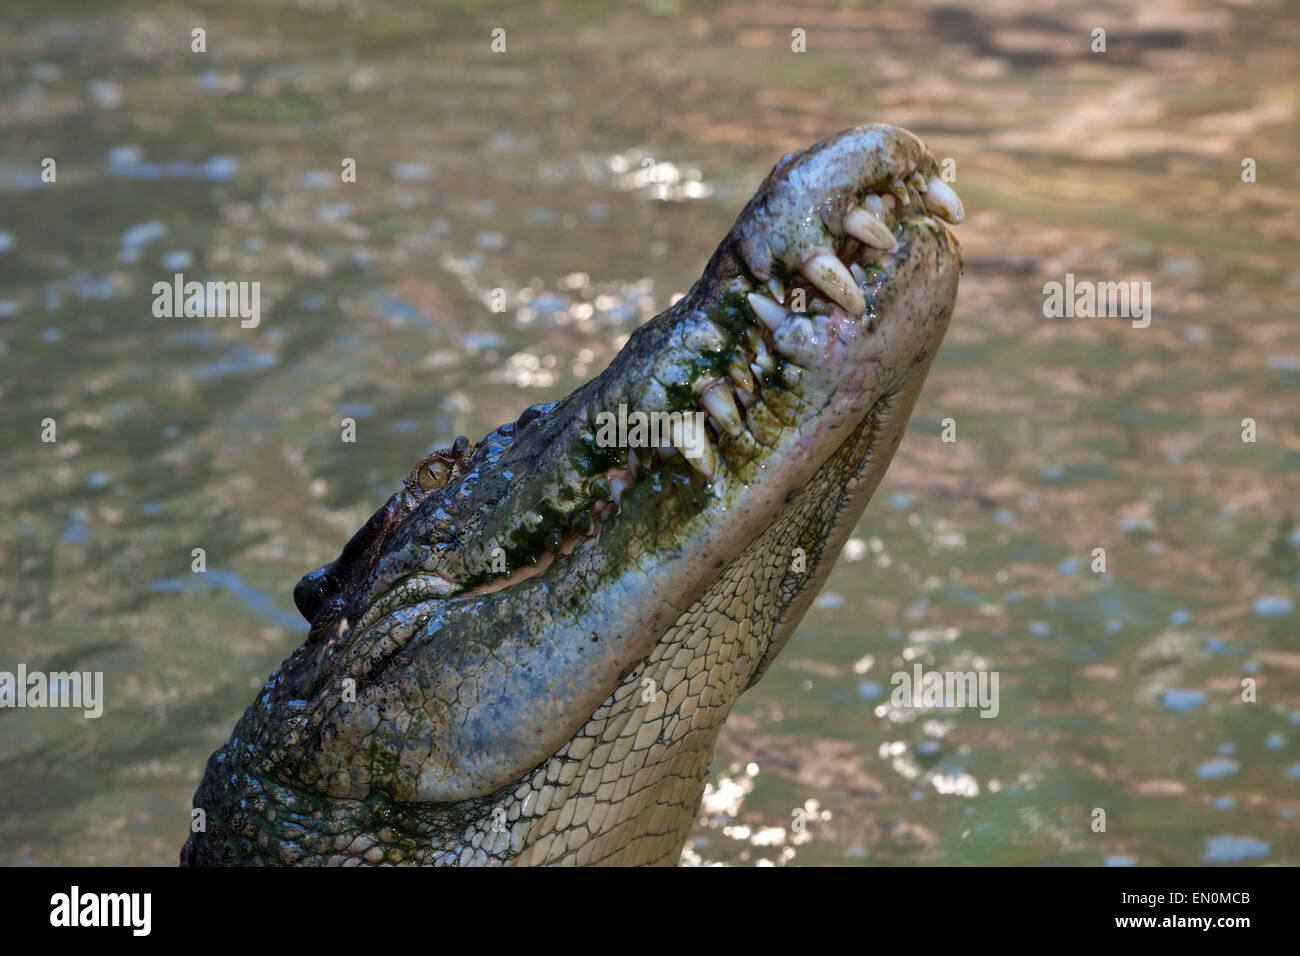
(850, 462)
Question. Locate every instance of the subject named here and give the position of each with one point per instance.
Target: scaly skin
(443, 711)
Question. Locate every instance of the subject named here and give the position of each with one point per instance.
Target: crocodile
(526, 655)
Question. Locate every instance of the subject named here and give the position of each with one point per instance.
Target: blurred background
(589, 171)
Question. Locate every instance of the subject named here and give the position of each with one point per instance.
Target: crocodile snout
(474, 685)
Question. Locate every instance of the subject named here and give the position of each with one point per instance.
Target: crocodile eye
(434, 475)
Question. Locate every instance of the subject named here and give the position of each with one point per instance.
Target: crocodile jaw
(567, 711)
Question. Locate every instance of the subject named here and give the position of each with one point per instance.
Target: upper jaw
(817, 220)
(826, 222)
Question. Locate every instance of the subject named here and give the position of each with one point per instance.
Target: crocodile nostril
(338, 578)
(311, 593)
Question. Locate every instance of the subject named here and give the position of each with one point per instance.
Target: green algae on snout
(590, 458)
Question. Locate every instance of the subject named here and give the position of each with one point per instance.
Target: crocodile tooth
(678, 435)
(617, 485)
(633, 465)
(796, 337)
(768, 312)
(917, 182)
(943, 202)
(746, 396)
(740, 374)
(899, 190)
(825, 271)
(859, 274)
(584, 523)
(763, 360)
(706, 462)
(882, 207)
(701, 385)
(777, 288)
(864, 226)
(718, 402)
(791, 374)
(703, 460)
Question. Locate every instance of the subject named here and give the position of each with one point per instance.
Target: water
(588, 172)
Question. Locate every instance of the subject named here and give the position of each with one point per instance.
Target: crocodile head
(526, 655)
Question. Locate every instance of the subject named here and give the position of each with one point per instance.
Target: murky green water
(589, 171)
